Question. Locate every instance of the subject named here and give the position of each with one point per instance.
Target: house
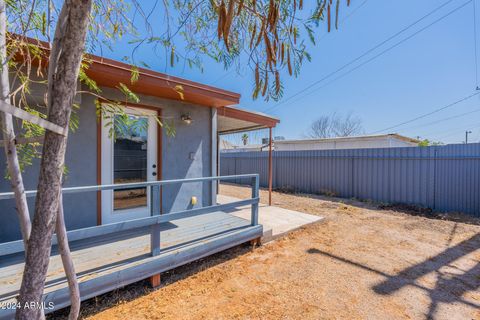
(391, 140)
(226, 146)
(143, 202)
(199, 115)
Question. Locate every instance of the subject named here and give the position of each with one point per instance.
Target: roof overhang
(110, 73)
(232, 120)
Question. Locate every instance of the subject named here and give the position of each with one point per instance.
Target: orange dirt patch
(360, 263)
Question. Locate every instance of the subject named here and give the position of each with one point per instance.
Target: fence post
(255, 194)
(353, 177)
(155, 229)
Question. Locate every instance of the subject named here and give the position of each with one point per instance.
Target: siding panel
(444, 178)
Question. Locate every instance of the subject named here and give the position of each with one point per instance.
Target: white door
(129, 154)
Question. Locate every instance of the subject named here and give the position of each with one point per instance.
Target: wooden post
(155, 281)
(270, 173)
(256, 242)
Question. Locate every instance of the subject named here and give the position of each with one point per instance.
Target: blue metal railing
(153, 221)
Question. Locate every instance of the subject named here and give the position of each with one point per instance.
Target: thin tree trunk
(9, 136)
(60, 227)
(65, 66)
(67, 261)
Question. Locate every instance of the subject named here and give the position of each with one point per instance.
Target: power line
(441, 120)
(222, 77)
(346, 18)
(326, 33)
(459, 129)
(442, 132)
(373, 49)
(362, 55)
(429, 113)
(383, 52)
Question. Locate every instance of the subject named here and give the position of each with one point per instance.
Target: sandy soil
(360, 263)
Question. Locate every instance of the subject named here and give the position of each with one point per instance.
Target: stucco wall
(81, 157)
(185, 155)
(80, 160)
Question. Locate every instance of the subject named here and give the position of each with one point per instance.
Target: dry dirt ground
(361, 262)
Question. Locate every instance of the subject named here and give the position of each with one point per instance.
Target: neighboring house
(392, 140)
(200, 114)
(226, 146)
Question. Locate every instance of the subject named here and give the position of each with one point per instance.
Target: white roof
(365, 137)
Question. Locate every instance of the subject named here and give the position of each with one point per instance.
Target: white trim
(214, 155)
(108, 214)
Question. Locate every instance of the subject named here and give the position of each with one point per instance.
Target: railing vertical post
(255, 194)
(155, 229)
(270, 168)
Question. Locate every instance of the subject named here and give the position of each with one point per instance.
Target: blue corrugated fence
(444, 178)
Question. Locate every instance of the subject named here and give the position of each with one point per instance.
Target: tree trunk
(68, 43)
(67, 261)
(9, 136)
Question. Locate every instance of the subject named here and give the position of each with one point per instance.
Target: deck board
(108, 255)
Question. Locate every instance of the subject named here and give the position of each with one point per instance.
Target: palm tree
(245, 139)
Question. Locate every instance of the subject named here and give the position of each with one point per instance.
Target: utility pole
(466, 135)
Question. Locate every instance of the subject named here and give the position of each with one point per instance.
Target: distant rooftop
(364, 137)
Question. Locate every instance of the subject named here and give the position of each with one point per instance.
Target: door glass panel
(130, 160)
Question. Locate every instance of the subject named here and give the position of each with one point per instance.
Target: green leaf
(129, 95)
(135, 74)
(310, 33)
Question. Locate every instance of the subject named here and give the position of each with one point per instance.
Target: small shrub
(286, 189)
(328, 193)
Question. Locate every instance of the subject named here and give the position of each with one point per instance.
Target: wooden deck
(115, 260)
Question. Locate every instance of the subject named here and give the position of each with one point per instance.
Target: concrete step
(276, 221)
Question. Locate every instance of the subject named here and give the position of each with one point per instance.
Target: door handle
(154, 173)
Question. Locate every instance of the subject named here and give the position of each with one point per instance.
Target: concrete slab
(276, 221)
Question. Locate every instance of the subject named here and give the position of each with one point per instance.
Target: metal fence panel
(444, 178)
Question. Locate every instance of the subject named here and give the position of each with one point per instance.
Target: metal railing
(153, 221)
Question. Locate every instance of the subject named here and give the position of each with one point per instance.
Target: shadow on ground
(449, 288)
(142, 288)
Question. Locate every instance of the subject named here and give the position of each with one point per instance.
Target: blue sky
(432, 69)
